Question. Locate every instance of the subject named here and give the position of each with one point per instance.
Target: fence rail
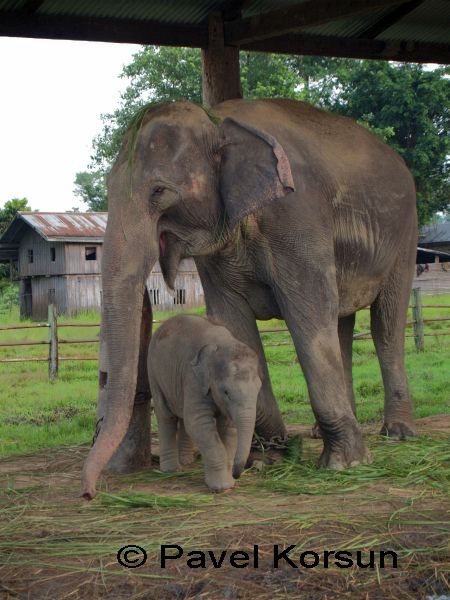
(53, 341)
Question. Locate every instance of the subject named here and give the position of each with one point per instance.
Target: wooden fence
(54, 340)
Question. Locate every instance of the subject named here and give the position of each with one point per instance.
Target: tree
(9, 211)
(90, 187)
(404, 104)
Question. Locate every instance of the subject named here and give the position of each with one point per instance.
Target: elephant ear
(254, 169)
(200, 366)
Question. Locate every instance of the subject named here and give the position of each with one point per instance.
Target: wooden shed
(59, 254)
(435, 237)
(433, 259)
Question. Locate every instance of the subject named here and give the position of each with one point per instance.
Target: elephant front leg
(319, 354)
(228, 435)
(202, 429)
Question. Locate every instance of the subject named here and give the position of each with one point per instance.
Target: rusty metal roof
(58, 227)
(391, 29)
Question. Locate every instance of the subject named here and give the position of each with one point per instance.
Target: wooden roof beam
(289, 20)
(402, 51)
(393, 17)
(36, 25)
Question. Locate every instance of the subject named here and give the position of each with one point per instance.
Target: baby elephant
(204, 384)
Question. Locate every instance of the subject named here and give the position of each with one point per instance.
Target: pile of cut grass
(421, 463)
(398, 503)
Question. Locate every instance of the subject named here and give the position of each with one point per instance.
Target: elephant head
(180, 185)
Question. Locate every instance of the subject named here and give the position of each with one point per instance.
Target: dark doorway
(26, 304)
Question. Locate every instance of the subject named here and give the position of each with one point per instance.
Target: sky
(52, 95)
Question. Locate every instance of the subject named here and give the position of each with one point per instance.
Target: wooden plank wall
(42, 263)
(76, 262)
(83, 293)
(40, 287)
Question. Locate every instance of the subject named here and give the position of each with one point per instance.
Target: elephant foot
(316, 433)
(398, 430)
(339, 461)
(188, 458)
(219, 484)
(169, 466)
(344, 446)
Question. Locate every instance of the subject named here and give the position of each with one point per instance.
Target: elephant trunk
(244, 420)
(125, 269)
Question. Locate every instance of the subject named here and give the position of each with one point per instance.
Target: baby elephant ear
(254, 169)
(200, 366)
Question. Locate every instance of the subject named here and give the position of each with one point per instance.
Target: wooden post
(52, 337)
(418, 319)
(221, 74)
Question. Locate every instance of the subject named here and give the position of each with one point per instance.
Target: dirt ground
(55, 545)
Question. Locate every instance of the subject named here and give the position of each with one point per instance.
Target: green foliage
(267, 76)
(9, 211)
(90, 187)
(9, 295)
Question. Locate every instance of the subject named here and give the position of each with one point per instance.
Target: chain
(98, 426)
(274, 443)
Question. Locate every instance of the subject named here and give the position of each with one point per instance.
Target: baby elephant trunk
(244, 420)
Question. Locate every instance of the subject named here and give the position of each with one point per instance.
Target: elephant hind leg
(346, 326)
(388, 319)
(186, 450)
(167, 432)
(345, 333)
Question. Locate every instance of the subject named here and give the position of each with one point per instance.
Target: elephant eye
(158, 190)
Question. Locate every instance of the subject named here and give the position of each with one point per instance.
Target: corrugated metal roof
(429, 22)
(435, 234)
(59, 227)
(164, 11)
(348, 27)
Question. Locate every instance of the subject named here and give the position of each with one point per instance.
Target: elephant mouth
(162, 243)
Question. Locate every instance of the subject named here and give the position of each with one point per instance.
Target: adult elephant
(290, 212)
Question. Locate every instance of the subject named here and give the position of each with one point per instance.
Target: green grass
(35, 414)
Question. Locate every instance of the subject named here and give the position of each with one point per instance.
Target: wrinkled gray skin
(290, 212)
(205, 386)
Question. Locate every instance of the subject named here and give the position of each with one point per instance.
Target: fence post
(52, 337)
(419, 339)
